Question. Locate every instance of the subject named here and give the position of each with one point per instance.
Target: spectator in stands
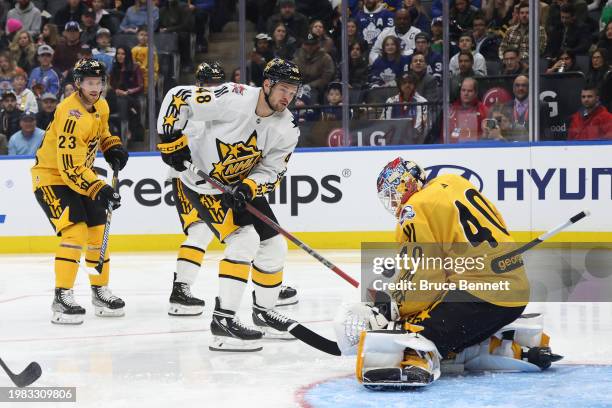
(176, 18)
(554, 15)
(517, 36)
(104, 18)
(104, 52)
(327, 44)
(235, 77)
(260, 55)
(599, 68)
(28, 14)
(570, 34)
(44, 74)
(140, 55)
(390, 65)
(68, 90)
(283, 45)
(68, 48)
(373, 19)
(499, 125)
(519, 108)
(605, 38)
(71, 12)
(432, 58)
(136, 16)
(427, 85)
(402, 30)
(466, 114)
(316, 66)
(466, 70)
(295, 22)
(334, 100)
(566, 62)
(358, 66)
(511, 63)
(89, 27)
(26, 100)
(48, 104)
(463, 13)
(437, 38)
(9, 115)
(593, 121)
(23, 50)
(418, 15)
(487, 42)
(316, 10)
(466, 43)
(606, 15)
(203, 10)
(13, 26)
(353, 35)
(28, 139)
(498, 13)
(49, 35)
(406, 103)
(126, 85)
(8, 70)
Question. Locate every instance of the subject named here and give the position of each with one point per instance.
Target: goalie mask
(397, 182)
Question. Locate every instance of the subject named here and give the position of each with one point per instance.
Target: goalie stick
(109, 214)
(331, 347)
(225, 189)
(30, 374)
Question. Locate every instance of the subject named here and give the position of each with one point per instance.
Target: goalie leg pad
(396, 360)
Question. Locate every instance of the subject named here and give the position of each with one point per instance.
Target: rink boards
(328, 197)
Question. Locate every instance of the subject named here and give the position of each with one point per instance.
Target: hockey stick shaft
(30, 374)
(109, 216)
(266, 220)
(510, 257)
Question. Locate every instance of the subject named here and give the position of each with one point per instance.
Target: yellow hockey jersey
(68, 150)
(456, 232)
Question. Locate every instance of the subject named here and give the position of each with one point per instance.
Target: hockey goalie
(405, 338)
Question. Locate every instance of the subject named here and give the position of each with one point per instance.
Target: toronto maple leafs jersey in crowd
(372, 23)
(238, 143)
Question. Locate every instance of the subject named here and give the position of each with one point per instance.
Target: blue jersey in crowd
(384, 72)
(47, 77)
(371, 24)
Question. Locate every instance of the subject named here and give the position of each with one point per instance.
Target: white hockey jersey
(406, 42)
(235, 142)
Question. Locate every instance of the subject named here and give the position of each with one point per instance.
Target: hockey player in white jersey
(198, 235)
(251, 139)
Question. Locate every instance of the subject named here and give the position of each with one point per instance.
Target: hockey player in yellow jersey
(72, 196)
(454, 309)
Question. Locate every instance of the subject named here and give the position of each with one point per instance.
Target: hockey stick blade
(314, 340)
(109, 216)
(266, 220)
(512, 259)
(30, 374)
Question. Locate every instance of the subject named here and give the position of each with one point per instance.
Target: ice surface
(149, 359)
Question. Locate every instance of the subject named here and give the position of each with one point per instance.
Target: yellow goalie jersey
(454, 232)
(68, 150)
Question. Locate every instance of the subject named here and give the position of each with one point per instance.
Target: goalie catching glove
(175, 150)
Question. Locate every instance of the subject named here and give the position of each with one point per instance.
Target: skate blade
(62, 318)
(176, 309)
(273, 334)
(106, 312)
(382, 386)
(287, 302)
(232, 345)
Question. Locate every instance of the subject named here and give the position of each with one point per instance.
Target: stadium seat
(166, 42)
(380, 94)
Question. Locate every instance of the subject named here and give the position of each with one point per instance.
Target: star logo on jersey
(238, 89)
(236, 160)
(75, 112)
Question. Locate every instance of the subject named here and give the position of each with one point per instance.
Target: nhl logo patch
(407, 214)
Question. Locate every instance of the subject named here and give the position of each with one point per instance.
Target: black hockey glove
(116, 156)
(238, 200)
(175, 150)
(107, 196)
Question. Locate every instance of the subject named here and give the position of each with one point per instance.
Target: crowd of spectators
(390, 38)
(395, 56)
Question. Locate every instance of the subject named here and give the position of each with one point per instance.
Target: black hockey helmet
(209, 73)
(88, 67)
(281, 70)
